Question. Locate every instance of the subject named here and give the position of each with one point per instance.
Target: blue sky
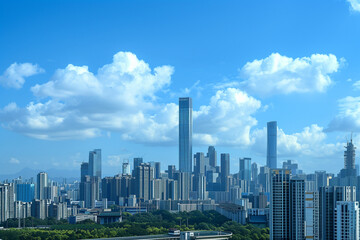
(79, 75)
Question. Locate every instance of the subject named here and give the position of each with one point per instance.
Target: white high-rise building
(347, 220)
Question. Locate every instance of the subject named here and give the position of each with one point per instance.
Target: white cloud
(279, 74)
(355, 5)
(227, 119)
(356, 85)
(77, 103)
(14, 161)
(348, 118)
(310, 142)
(14, 76)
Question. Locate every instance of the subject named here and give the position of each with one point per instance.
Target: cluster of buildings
(295, 205)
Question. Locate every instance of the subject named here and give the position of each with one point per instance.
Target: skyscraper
(144, 175)
(329, 196)
(225, 171)
(41, 185)
(212, 156)
(84, 170)
(297, 208)
(349, 169)
(271, 159)
(126, 167)
(280, 204)
(185, 134)
(245, 169)
(95, 163)
(347, 220)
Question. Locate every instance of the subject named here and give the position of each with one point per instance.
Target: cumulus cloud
(76, 103)
(227, 119)
(356, 85)
(311, 141)
(355, 5)
(279, 74)
(14, 161)
(348, 118)
(14, 76)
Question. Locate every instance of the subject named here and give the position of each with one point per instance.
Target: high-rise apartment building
(144, 175)
(95, 163)
(6, 201)
(280, 204)
(41, 186)
(329, 196)
(297, 208)
(287, 206)
(312, 209)
(271, 158)
(347, 224)
(185, 134)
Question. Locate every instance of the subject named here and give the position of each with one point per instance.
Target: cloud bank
(279, 74)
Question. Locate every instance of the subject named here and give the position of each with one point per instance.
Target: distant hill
(53, 173)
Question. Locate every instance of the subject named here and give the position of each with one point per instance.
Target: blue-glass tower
(185, 134)
(271, 159)
(95, 163)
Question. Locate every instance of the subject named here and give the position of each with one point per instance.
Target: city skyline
(67, 88)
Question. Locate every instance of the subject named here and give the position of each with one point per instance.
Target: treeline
(157, 222)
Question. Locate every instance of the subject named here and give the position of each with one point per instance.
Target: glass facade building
(271, 159)
(185, 134)
(245, 169)
(25, 192)
(95, 163)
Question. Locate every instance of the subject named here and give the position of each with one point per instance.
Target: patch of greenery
(157, 222)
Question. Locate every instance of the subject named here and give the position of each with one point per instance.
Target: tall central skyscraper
(95, 163)
(271, 160)
(185, 134)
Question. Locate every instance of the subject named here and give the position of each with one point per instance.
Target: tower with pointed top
(349, 169)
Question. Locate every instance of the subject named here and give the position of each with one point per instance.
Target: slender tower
(185, 134)
(271, 160)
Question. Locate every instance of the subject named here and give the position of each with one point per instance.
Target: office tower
(347, 220)
(157, 170)
(84, 170)
(6, 201)
(280, 204)
(225, 171)
(41, 184)
(90, 191)
(126, 167)
(95, 163)
(349, 169)
(320, 179)
(297, 208)
(171, 171)
(184, 185)
(185, 134)
(212, 155)
(25, 192)
(264, 178)
(312, 215)
(254, 172)
(290, 164)
(144, 175)
(137, 162)
(200, 186)
(199, 163)
(245, 169)
(329, 196)
(271, 160)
